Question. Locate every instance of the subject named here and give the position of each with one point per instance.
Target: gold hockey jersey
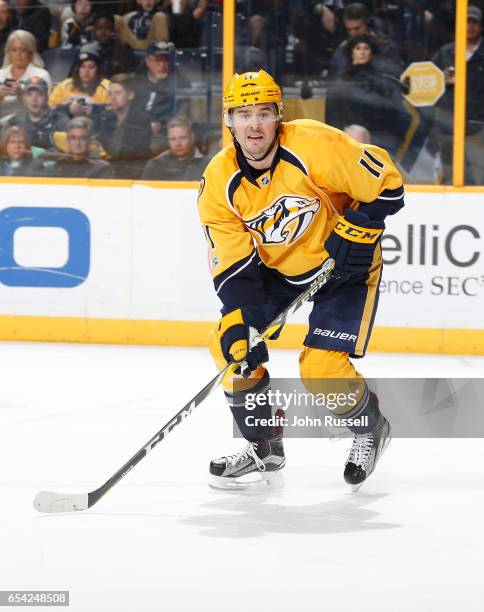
(284, 216)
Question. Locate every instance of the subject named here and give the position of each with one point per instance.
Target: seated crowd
(124, 86)
(118, 113)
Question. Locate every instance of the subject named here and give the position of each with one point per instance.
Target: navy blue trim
(373, 314)
(290, 158)
(392, 193)
(209, 238)
(371, 170)
(233, 186)
(388, 202)
(241, 284)
(244, 165)
(299, 280)
(376, 161)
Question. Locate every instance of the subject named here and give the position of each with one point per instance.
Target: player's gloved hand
(241, 343)
(352, 243)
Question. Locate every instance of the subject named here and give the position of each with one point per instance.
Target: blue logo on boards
(72, 221)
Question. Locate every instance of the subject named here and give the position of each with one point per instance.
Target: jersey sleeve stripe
(232, 186)
(392, 194)
(293, 159)
(373, 159)
(299, 279)
(220, 280)
(371, 170)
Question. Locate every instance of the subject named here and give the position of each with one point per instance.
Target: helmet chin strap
(268, 150)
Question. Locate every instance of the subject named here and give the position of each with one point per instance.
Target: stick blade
(46, 501)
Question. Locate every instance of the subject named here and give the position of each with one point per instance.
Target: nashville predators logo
(284, 221)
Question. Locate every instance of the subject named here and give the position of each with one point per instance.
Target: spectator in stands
(156, 86)
(183, 161)
(125, 130)
(318, 33)
(116, 56)
(445, 60)
(366, 95)
(357, 21)
(7, 25)
(358, 133)
(84, 94)
(37, 118)
(16, 154)
(409, 23)
(146, 25)
(77, 163)
(75, 30)
(262, 35)
(185, 21)
(34, 17)
(21, 62)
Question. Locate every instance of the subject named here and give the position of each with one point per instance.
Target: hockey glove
(241, 343)
(352, 243)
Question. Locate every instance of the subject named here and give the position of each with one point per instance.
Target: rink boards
(127, 263)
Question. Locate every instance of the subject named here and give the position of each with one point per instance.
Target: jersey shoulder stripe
(288, 156)
(232, 186)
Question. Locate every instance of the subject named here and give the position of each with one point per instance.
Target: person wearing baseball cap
(475, 13)
(38, 120)
(85, 90)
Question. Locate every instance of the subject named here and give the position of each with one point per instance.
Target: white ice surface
(411, 539)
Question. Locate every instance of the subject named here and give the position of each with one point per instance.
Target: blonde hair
(27, 40)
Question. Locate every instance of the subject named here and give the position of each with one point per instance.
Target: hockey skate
(366, 450)
(257, 465)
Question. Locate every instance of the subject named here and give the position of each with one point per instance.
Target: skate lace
(248, 451)
(360, 451)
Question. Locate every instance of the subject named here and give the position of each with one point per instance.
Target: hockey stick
(46, 501)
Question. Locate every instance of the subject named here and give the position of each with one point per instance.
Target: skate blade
(262, 481)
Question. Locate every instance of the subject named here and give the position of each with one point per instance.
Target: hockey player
(274, 206)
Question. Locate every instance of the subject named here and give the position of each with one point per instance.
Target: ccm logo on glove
(352, 232)
(352, 243)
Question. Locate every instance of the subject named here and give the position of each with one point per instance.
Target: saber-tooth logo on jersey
(285, 220)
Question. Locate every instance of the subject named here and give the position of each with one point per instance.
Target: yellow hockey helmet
(251, 88)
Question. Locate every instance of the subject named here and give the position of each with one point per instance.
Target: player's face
(87, 73)
(361, 53)
(78, 143)
(254, 128)
(180, 141)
